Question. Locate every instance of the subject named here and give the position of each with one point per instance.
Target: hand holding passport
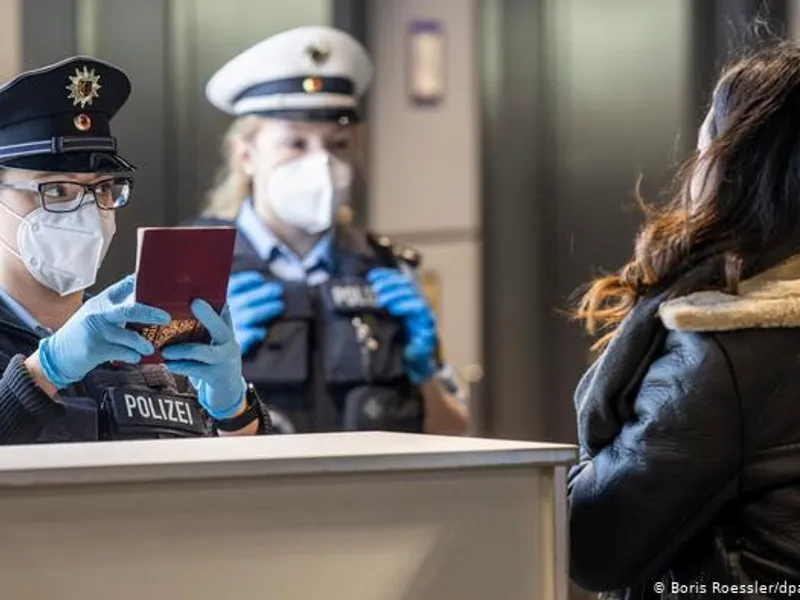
(174, 266)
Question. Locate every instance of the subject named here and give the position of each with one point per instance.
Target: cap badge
(82, 122)
(318, 54)
(83, 87)
(312, 85)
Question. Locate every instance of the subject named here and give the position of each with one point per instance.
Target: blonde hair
(232, 184)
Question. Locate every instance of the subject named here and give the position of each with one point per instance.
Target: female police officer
(332, 327)
(61, 181)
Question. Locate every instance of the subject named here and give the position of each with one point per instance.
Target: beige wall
(424, 164)
(10, 39)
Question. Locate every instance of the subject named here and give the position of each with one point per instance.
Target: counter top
(278, 455)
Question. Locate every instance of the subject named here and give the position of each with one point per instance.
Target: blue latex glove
(215, 369)
(398, 294)
(253, 303)
(96, 334)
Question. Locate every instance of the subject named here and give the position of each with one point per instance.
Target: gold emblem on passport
(176, 332)
(318, 54)
(82, 122)
(312, 85)
(84, 87)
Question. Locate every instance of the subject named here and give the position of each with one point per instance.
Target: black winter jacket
(24, 408)
(689, 429)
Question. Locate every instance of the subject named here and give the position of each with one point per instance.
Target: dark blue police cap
(57, 118)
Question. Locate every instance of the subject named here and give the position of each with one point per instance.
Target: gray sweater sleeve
(24, 407)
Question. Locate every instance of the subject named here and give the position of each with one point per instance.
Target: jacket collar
(8, 319)
(770, 300)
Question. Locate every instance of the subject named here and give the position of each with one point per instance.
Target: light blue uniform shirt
(23, 315)
(315, 267)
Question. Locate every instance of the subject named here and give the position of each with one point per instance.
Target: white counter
(354, 515)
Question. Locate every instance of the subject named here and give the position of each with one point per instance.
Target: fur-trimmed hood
(769, 300)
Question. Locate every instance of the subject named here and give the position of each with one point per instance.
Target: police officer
(332, 326)
(70, 369)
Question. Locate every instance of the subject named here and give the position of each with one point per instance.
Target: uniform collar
(270, 248)
(21, 314)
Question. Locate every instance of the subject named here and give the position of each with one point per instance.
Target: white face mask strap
(5, 244)
(12, 213)
(11, 251)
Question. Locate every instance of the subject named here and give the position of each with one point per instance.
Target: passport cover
(175, 265)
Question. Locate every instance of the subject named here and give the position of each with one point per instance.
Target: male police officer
(69, 367)
(334, 330)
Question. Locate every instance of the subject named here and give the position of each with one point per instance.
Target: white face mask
(307, 191)
(63, 251)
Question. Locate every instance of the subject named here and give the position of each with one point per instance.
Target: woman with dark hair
(689, 422)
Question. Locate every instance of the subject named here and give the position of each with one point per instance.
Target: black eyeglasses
(68, 196)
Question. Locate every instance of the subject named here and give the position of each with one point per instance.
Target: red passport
(174, 266)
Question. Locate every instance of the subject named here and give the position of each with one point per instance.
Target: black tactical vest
(127, 402)
(334, 360)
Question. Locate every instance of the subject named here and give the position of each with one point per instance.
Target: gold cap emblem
(318, 54)
(83, 87)
(82, 122)
(312, 85)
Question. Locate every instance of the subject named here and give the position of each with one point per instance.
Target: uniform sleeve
(24, 408)
(635, 502)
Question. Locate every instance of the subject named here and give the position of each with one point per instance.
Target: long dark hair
(746, 216)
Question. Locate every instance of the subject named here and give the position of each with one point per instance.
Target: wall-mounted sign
(425, 70)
